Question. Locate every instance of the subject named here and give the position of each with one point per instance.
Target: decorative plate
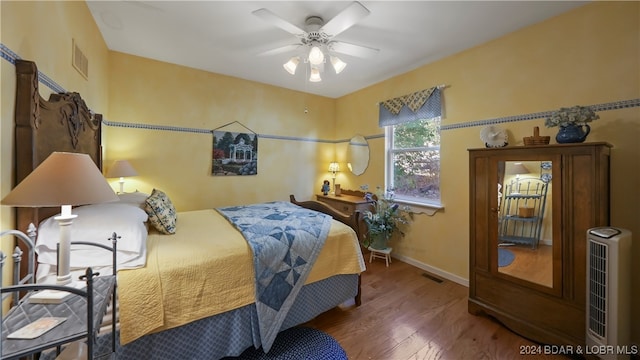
(493, 136)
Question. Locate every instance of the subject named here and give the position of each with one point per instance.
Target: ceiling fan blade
(276, 20)
(345, 19)
(352, 49)
(280, 50)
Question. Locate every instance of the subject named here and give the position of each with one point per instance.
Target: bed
(174, 308)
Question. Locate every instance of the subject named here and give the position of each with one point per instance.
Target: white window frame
(417, 204)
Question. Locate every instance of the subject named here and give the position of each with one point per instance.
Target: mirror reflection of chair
(522, 211)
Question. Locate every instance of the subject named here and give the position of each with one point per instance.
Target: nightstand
(83, 315)
(83, 309)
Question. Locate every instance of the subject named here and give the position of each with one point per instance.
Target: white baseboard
(548, 242)
(433, 270)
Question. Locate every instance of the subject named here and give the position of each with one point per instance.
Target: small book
(48, 297)
(36, 328)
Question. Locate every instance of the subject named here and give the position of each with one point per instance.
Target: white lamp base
(65, 219)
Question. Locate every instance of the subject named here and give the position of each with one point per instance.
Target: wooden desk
(346, 203)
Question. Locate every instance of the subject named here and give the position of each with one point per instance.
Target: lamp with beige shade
(516, 169)
(63, 179)
(121, 169)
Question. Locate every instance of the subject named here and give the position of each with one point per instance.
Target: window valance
(423, 104)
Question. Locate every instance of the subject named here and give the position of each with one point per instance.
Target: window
(413, 161)
(412, 145)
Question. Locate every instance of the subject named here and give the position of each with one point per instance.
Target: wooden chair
(380, 254)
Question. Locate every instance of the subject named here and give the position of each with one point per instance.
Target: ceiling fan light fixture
(338, 65)
(316, 39)
(291, 65)
(315, 75)
(316, 56)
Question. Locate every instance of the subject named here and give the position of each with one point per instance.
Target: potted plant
(386, 218)
(572, 123)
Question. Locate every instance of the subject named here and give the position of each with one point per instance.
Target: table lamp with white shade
(63, 179)
(121, 169)
(334, 168)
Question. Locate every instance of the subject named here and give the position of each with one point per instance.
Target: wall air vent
(79, 60)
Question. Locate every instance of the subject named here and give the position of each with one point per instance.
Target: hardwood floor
(535, 265)
(407, 315)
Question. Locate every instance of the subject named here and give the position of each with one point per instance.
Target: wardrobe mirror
(358, 155)
(525, 229)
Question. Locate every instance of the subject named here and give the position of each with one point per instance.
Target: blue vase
(572, 134)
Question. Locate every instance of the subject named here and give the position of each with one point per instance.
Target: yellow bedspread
(206, 268)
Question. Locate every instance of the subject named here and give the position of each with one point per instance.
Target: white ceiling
(225, 37)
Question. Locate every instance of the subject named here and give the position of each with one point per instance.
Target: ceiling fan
(316, 39)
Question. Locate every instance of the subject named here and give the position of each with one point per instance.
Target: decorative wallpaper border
(540, 115)
(203, 131)
(156, 127)
(209, 131)
(10, 56)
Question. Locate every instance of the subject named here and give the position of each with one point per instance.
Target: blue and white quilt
(286, 240)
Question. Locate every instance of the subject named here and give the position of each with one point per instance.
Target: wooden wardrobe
(553, 311)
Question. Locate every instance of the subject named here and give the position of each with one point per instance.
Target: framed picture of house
(234, 153)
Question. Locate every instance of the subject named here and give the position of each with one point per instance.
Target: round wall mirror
(358, 155)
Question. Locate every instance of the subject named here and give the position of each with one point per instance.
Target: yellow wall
(587, 56)
(5, 158)
(43, 31)
(143, 91)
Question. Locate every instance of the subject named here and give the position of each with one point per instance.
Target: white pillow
(137, 198)
(96, 224)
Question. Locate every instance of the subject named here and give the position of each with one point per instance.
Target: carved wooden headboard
(62, 123)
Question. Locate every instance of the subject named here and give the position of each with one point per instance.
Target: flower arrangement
(386, 217)
(576, 115)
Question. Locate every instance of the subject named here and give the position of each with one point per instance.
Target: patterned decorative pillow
(162, 214)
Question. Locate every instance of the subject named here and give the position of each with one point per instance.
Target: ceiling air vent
(80, 61)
